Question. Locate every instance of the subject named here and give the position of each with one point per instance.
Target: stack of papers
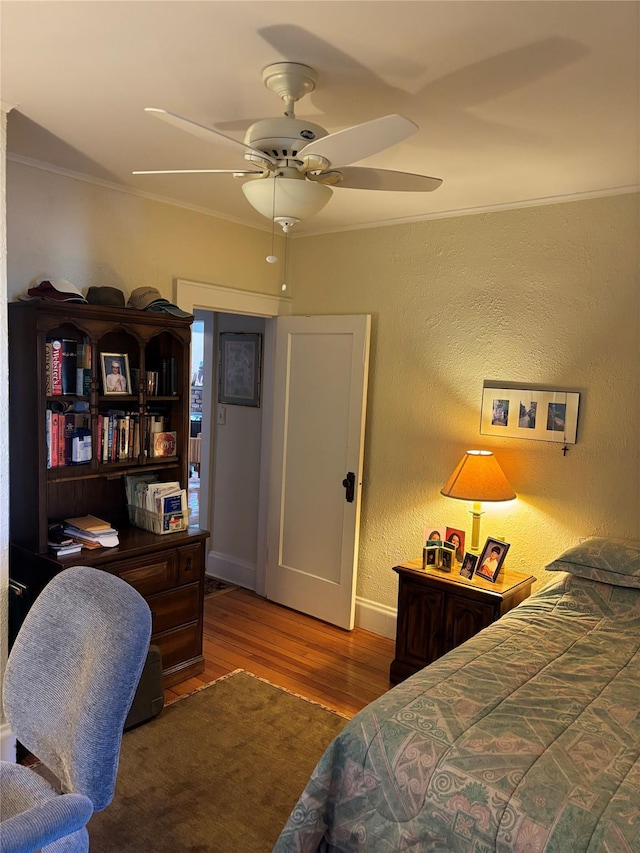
(157, 506)
(91, 532)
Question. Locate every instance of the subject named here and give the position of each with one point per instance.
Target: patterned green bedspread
(525, 739)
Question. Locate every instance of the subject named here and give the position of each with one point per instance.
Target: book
(56, 536)
(69, 365)
(83, 369)
(64, 550)
(104, 539)
(69, 420)
(54, 442)
(56, 368)
(47, 356)
(164, 444)
(48, 414)
(89, 523)
(173, 510)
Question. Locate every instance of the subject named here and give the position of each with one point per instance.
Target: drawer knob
(188, 566)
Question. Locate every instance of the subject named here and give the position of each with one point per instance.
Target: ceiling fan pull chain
(272, 258)
(286, 246)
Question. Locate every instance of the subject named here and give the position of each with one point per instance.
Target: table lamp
(478, 477)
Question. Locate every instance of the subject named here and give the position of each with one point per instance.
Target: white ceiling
(517, 102)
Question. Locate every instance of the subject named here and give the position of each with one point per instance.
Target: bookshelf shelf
(53, 343)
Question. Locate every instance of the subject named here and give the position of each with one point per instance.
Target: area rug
(214, 586)
(217, 771)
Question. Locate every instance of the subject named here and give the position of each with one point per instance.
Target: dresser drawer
(190, 563)
(148, 574)
(174, 607)
(179, 645)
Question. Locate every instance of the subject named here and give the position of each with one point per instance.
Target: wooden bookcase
(167, 569)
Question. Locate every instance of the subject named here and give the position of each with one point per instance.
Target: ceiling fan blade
(197, 172)
(206, 133)
(360, 141)
(361, 178)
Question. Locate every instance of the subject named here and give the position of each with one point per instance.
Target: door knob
(349, 484)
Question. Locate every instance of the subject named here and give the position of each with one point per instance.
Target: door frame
(193, 295)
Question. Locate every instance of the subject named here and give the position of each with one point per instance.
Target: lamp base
(475, 526)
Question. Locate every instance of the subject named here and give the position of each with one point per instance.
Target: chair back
(72, 674)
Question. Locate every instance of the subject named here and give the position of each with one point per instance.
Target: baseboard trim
(377, 618)
(371, 616)
(231, 569)
(7, 743)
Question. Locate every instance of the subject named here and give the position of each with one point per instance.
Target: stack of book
(68, 367)
(91, 532)
(59, 542)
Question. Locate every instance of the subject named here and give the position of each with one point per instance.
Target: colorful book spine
(48, 432)
(56, 368)
(47, 355)
(55, 439)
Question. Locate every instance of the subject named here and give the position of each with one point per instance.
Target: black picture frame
(487, 566)
(468, 566)
(240, 368)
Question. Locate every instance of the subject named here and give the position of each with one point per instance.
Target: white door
(319, 400)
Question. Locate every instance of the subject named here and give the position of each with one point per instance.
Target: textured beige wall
(544, 295)
(93, 235)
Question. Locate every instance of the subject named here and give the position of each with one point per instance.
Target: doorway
(195, 417)
(207, 302)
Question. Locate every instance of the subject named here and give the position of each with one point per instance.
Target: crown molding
(385, 223)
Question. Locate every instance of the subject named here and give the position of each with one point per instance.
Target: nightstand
(438, 611)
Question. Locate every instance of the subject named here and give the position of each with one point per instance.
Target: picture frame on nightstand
(468, 566)
(491, 559)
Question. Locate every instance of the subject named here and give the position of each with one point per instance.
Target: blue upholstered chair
(70, 679)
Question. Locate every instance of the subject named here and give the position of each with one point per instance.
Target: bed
(525, 739)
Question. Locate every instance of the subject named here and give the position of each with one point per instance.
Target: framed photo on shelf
(468, 565)
(534, 413)
(116, 378)
(240, 367)
(491, 559)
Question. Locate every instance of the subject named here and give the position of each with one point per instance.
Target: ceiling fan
(294, 162)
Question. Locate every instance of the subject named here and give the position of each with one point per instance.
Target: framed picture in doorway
(240, 368)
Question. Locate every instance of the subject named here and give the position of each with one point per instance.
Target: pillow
(613, 561)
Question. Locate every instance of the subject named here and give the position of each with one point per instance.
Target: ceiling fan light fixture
(286, 200)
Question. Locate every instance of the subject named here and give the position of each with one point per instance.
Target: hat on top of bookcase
(105, 295)
(150, 299)
(55, 289)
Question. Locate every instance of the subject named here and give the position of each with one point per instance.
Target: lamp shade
(290, 199)
(478, 477)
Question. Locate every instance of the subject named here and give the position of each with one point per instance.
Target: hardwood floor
(340, 669)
